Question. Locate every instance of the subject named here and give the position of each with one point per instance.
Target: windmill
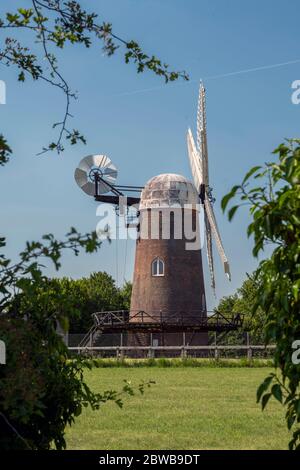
(168, 292)
(198, 156)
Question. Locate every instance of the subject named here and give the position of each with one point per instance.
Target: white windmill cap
(168, 190)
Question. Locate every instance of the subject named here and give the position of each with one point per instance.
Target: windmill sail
(198, 156)
(201, 132)
(216, 234)
(210, 253)
(195, 161)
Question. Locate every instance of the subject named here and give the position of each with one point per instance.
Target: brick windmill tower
(168, 274)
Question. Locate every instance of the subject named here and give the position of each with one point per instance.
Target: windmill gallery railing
(201, 321)
(120, 321)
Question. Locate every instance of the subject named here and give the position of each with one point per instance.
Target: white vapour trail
(213, 77)
(255, 69)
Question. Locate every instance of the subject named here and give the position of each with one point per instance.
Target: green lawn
(187, 408)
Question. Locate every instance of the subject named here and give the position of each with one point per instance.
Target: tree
(95, 293)
(53, 24)
(41, 391)
(126, 294)
(273, 193)
(242, 302)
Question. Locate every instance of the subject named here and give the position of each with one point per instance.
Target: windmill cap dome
(168, 190)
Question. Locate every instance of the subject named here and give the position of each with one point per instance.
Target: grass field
(187, 408)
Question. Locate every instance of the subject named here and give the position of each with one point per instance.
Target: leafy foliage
(274, 199)
(5, 151)
(41, 390)
(84, 296)
(56, 23)
(242, 302)
(28, 270)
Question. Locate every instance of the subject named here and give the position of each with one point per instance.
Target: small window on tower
(158, 267)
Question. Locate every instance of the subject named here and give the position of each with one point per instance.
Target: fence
(173, 351)
(116, 345)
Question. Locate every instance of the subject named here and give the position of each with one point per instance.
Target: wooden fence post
(249, 349)
(216, 352)
(249, 353)
(121, 344)
(150, 352)
(216, 347)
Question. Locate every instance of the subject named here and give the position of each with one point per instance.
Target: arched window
(158, 267)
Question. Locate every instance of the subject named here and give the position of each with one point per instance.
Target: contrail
(212, 77)
(255, 69)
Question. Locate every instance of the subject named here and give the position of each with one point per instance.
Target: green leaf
(277, 392)
(290, 421)
(265, 400)
(78, 410)
(263, 387)
(250, 173)
(21, 77)
(231, 212)
(12, 18)
(228, 196)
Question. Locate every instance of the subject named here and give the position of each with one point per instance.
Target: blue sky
(141, 123)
